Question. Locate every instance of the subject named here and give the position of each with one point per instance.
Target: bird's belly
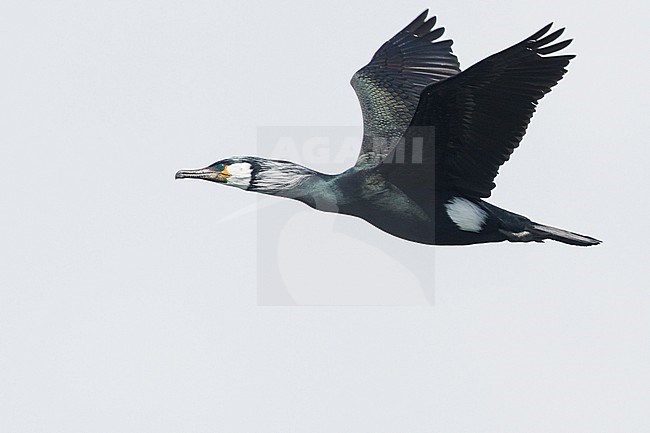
(415, 231)
(405, 222)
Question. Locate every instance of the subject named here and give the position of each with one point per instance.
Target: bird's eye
(220, 167)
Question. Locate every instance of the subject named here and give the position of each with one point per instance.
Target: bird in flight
(434, 139)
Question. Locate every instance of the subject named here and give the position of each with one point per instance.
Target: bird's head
(237, 171)
(268, 176)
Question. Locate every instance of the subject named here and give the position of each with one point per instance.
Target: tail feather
(534, 232)
(542, 232)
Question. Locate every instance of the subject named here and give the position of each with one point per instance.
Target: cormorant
(434, 139)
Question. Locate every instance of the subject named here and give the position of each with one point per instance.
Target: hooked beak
(202, 173)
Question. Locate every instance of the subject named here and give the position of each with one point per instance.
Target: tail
(541, 232)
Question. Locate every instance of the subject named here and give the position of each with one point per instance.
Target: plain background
(125, 306)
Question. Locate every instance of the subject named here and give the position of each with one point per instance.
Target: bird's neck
(294, 181)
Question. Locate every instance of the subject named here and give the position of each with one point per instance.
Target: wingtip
(543, 49)
(540, 33)
(423, 16)
(434, 34)
(417, 22)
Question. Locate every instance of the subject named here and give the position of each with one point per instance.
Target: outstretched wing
(467, 126)
(389, 86)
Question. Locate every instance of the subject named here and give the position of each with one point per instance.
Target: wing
(389, 86)
(467, 126)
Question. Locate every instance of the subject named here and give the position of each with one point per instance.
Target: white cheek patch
(466, 215)
(240, 174)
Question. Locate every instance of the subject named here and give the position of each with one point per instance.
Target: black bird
(434, 139)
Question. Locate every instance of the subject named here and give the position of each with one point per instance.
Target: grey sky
(126, 306)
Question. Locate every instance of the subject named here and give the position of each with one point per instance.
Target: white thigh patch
(466, 215)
